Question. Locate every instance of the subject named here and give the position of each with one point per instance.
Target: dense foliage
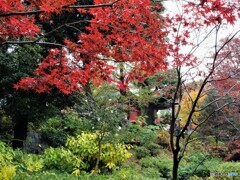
(74, 73)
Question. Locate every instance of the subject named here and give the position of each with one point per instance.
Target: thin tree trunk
(98, 158)
(99, 153)
(175, 166)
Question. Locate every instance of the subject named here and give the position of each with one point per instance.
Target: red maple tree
(119, 32)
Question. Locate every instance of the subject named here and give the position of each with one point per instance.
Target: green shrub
(86, 146)
(15, 161)
(154, 148)
(156, 163)
(32, 163)
(56, 130)
(151, 173)
(45, 175)
(216, 165)
(7, 168)
(148, 134)
(127, 174)
(6, 126)
(194, 166)
(141, 152)
(81, 154)
(62, 159)
(187, 172)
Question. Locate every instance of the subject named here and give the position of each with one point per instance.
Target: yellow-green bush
(81, 154)
(62, 159)
(86, 146)
(7, 172)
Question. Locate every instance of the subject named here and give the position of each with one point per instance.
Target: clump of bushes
(80, 154)
(141, 152)
(56, 130)
(84, 151)
(15, 161)
(155, 163)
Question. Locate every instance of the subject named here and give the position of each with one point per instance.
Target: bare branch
(187, 141)
(225, 117)
(209, 104)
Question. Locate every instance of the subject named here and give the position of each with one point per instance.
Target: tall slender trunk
(175, 166)
(98, 157)
(20, 131)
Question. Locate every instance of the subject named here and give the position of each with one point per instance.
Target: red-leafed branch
(64, 7)
(32, 42)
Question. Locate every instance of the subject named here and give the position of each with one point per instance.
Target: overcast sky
(174, 7)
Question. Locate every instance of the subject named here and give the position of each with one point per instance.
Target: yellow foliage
(7, 172)
(186, 106)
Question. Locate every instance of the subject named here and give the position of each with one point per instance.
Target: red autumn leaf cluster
(226, 77)
(193, 16)
(130, 32)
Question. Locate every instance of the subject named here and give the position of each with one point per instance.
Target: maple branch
(92, 6)
(196, 46)
(36, 41)
(212, 102)
(205, 81)
(225, 117)
(187, 141)
(64, 7)
(21, 13)
(32, 42)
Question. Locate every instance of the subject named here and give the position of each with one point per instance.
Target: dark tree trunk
(150, 115)
(175, 166)
(20, 132)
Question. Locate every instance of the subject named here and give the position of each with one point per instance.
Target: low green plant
(16, 161)
(62, 159)
(148, 134)
(141, 152)
(7, 168)
(194, 166)
(45, 175)
(6, 126)
(86, 146)
(153, 162)
(155, 149)
(7, 172)
(151, 173)
(33, 163)
(56, 130)
(81, 153)
(127, 174)
(216, 165)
